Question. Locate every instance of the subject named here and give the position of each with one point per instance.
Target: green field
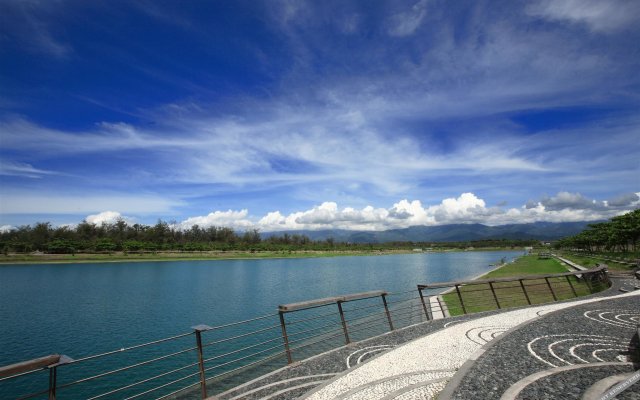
(182, 256)
(480, 297)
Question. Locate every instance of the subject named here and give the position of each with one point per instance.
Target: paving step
(598, 389)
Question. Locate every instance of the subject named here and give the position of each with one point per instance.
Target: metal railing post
(524, 290)
(555, 298)
(203, 379)
(285, 338)
(344, 323)
(53, 372)
(386, 310)
(575, 294)
(587, 280)
(464, 309)
(441, 306)
(424, 305)
(495, 297)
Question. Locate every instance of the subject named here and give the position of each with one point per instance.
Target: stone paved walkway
(459, 358)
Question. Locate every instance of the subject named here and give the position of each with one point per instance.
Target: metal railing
(463, 297)
(208, 360)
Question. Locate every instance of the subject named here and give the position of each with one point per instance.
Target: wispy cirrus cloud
(359, 104)
(12, 168)
(28, 23)
(286, 146)
(600, 16)
(406, 22)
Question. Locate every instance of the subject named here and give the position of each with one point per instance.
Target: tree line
(620, 234)
(123, 237)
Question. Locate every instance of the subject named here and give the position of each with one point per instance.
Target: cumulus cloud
(577, 201)
(466, 208)
(106, 217)
(566, 200)
(326, 216)
(624, 200)
(6, 228)
(230, 218)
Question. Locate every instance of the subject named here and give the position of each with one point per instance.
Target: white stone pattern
(449, 348)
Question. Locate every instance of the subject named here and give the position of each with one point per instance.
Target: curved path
(556, 340)
(558, 350)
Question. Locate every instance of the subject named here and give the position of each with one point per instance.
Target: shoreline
(475, 278)
(92, 258)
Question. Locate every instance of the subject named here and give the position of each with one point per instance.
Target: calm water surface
(80, 309)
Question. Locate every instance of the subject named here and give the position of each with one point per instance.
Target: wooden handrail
(329, 300)
(30, 365)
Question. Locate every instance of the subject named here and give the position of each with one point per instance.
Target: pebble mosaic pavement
(579, 343)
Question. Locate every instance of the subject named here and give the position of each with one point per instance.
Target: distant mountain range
(448, 233)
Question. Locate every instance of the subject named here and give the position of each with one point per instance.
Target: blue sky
(334, 114)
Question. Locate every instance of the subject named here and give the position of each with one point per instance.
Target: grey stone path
(451, 356)
(560, 355)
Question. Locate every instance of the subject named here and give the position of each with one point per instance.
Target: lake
(84, 309)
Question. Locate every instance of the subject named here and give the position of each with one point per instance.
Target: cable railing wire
(298, 321)
(142, 381)
(313, 329)
(115, 371)
(125, 349)
(240, 336)
(242, 349)
(162, 386)
(275, 355)
(166, 396)
(241, 358)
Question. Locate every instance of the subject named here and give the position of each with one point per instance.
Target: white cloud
(106, 217)
(230, 218)
(11, 168)
(467, 208)
(6, 228)
(301, 145)
(605, 16)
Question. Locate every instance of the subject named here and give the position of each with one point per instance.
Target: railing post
(386, 310)
(344, 323)
(587, 280)
(424, 305)
(53, 372)
(551, 288)
(285, 338)
(524, 290)
(571, 285)
(493, 291)
(203, 380)
(440, 305)
(464, 309)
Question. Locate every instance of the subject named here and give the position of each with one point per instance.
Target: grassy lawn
(527, 265)
(182, 256)
(479, 297)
